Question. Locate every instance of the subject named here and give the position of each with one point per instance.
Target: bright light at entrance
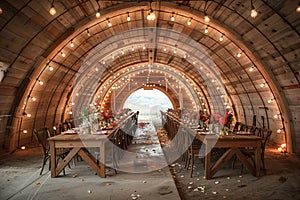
(148, 102)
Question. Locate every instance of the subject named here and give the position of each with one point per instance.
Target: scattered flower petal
(225, 197)
(228, 177)
(214, 192)
(217, 182)
(196, 190)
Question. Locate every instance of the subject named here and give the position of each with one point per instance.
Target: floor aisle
(143, 174)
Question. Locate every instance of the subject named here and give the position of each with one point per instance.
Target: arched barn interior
(211, 68)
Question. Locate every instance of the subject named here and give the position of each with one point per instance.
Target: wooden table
(78, 144)
(234, 143)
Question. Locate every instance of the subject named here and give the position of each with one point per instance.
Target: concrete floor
(143, 174)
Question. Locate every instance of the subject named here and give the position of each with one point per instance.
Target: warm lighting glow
(23, 147)
(206, 30)
(128, 17)
(24, 131)
(71, 43)
(276, 116)
(151, 16)
(33, 98)
(262, 85)
(28, 115)
(298, 8)
(221, 38)
(239, 55)
(280, 149)
(251, 69)
(70, 113)
(109, 23)
(77, 94)
(88, 32)
(132, 49)
(51, 68)
(63, 54)
(278, 130)
(41, 82)
(52, 10)
(165, 49)
(270, 100)
(1, 11)
(253, 13)
(172, 17)
(189, 22)
(98, 13)
(206, 19)
(283, 145)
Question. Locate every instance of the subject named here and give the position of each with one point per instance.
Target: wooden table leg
(207, 162)
(258, 158)
(52, 159)
(102, 160)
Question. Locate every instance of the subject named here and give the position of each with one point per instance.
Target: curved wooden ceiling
(32, 41)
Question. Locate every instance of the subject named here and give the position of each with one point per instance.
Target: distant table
(78, 144)
(234, 143)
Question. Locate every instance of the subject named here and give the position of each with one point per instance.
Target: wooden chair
(193, 152)
(265, 135)
(42, 135)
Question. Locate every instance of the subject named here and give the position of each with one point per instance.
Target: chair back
(42, 135)
(265, 134)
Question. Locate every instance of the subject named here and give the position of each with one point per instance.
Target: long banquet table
(78, 143)
(234, 143)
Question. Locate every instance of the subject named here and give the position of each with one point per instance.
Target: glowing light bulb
(23, 147)
(41, 82)
(270, 100)
(128, 17)
(262, 85)
(63, 54)
(253, 13)
(98, 13)
(239, 55)
(109, 23)
(28, 115)
(298, 8)
(206, 19)
(221, 38)
(71, 44)
(276, 116)
(24, 131)
(33, 98)
(51, 68)
(251, 69)
(189, 22)
(206, 30)
(278, 130)
(52, 10)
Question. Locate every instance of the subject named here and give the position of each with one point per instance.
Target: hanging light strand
(253, 12)
(52, 10)
(206, 18)
(98, 11)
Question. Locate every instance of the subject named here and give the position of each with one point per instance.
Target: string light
(239, 55)
(33, 98)
(128, 17)
(109, 23)
(206, 30)
(206, 19)
(276, 116)
(98, 11)
(28, 115)
(41, 82)
(52, 10)
(71, 43)
(221, 38)
(88, 32)
(23, 147)
(270, 100)
(63, 54)
(189, 22)
(51, 68)
(251, 69)
(262, 85)
(1, 11)
(298, 8)
(253, 12)
(279, 130)
(151, 16)
(24, 131)
(172, 17)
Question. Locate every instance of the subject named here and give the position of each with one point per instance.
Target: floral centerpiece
(203, 119)
(221, 123)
